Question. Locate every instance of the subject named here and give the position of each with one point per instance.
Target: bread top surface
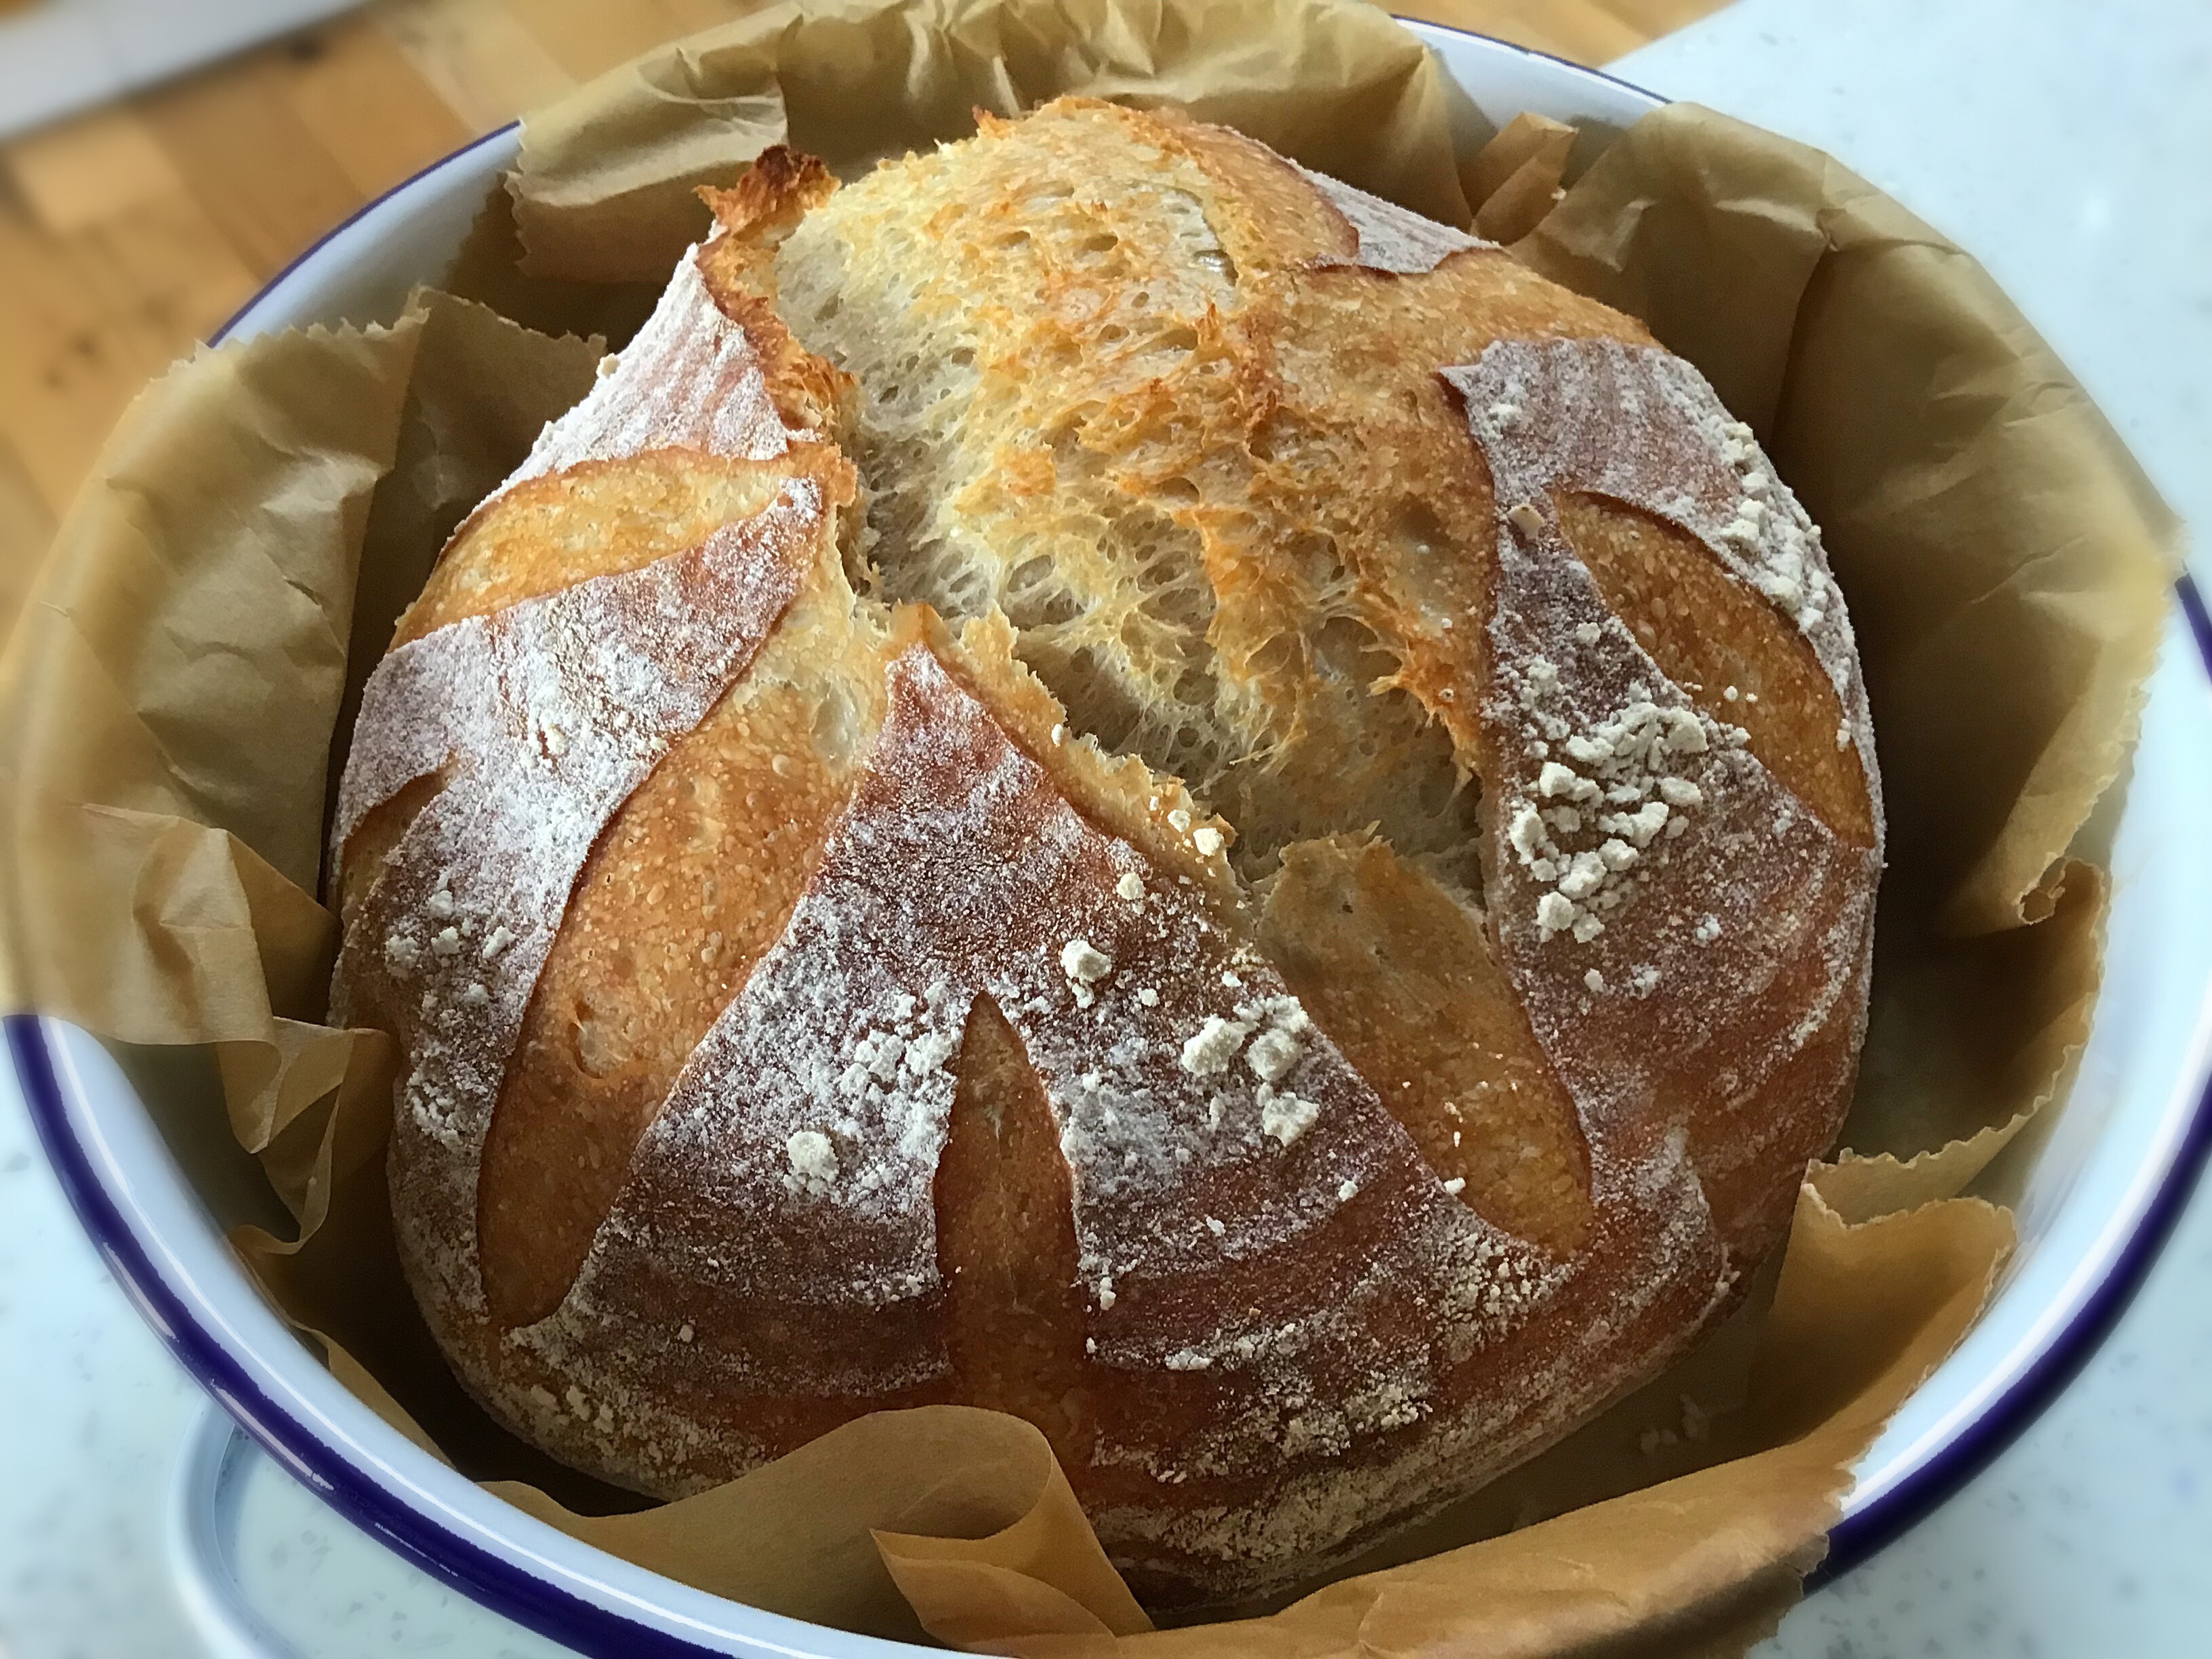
(965, 513)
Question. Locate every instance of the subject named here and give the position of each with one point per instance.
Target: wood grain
(129, 233)
(367, 105)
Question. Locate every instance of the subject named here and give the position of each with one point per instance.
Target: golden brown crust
(662, 928)
(1395, 968)
(1006, 1249)
(1659, 577)
(892, 1023)
(600, 518)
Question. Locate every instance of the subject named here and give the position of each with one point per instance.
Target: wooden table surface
(128, 233)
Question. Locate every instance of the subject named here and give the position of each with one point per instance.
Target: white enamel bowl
(2095, 1205)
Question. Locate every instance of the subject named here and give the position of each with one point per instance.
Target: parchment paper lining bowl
(2095, 1205)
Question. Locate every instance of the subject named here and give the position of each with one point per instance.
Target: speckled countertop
(2068, 146)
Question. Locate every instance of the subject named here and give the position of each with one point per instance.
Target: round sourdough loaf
(1106, 779)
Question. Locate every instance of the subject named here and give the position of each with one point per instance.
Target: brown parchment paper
(606, 175)
(176, 694)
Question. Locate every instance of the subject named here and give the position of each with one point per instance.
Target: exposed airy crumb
(1457, 1184)
(1284, 1115)
(1208, 840)
(813, 1161)
(1131, 886)
(1214, 1045)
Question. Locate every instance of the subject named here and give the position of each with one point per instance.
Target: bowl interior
(2082, 1191)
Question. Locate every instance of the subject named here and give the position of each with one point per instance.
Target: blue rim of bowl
(500, 1584)
(437, 1549)
(1858, 1538)
(284, 273)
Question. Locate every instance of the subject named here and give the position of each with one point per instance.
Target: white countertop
(2038, 133)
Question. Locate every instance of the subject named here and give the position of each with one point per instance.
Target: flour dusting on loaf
(1335, 839)
(960, 869)
(689, 379)
(1390, 238)
(542, 718)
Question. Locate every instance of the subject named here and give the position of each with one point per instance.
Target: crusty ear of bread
(1107, 779)
(1056, 405)
(753, 216)
(780, 187)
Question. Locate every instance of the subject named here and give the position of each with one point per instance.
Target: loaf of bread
(1105, 779)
